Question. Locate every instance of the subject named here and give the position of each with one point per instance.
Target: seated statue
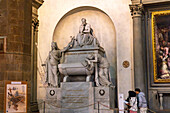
(85, 35)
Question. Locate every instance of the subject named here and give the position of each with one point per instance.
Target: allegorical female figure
(52, 72)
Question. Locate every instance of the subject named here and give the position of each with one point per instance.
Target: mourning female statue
(85, 35)
(52, 61)
(103, 78)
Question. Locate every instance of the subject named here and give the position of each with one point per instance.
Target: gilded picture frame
(15, 98)
(160, 23)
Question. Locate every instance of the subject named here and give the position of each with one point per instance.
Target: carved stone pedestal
(51, 103)
(78, 97)
(105, 97)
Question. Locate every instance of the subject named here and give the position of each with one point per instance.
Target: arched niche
(101, 24)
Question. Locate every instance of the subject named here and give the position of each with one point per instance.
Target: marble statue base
(79, 97)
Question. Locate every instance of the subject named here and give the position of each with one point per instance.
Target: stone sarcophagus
(74, 67)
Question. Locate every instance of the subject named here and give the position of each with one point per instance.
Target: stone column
(34, 51)
(138, 41)
(35, 24)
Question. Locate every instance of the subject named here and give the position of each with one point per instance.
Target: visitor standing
(141, 101)
(132, 102)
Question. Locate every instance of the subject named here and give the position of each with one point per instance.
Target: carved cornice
(35, 24)
(37, 3)
(136, 10)
(136, 1)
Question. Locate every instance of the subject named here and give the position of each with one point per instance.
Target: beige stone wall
(111, 21)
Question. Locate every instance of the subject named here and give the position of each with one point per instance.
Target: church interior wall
(15, 60)
(58, 20)
(119, 30)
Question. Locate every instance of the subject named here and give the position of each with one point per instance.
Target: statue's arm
(81, 28)
(65, 49)
(88, 61)
(87, 29)
(56, 56)
(93, 60)
(70, 45)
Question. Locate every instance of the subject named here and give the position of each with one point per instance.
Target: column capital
(136, 10)
(35, 23)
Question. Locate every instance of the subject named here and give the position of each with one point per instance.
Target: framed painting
(15, 97)
(161, 46)
(2, 44)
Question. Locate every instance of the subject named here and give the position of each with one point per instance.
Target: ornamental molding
(37, 3)
(35, 24)
(136, 10)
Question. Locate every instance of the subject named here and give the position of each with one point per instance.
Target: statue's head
(54, 45)
(83, 20)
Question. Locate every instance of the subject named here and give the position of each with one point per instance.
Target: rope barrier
(104, 105)
(53, 104)
(124, 110)
(115, 109)
(32, 105)
(73, 107)
(151, 110)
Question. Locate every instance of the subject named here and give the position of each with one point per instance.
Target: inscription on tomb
(75, 95)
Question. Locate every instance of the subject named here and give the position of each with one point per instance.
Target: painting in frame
(15, 97)
(161, 46)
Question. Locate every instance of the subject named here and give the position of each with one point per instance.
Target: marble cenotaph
(77, 77)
